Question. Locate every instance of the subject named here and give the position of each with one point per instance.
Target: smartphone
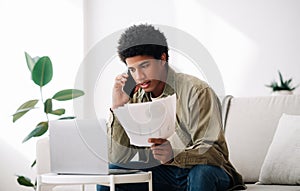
(129, 86)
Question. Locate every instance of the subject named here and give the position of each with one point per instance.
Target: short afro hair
(142, 39)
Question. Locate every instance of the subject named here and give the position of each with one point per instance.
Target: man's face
(148, 73)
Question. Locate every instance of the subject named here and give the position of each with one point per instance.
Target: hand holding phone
(122, 90)
(129, 86)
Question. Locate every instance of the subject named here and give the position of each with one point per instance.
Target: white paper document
(154, 119)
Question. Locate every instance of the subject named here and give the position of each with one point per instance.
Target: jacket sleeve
(120, 150)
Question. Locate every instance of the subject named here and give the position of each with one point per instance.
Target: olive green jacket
(199, 138)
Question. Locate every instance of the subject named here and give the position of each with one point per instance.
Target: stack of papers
(142, 121)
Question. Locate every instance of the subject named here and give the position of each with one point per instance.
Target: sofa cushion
(281, 165)
(254, 187)
(250, 125)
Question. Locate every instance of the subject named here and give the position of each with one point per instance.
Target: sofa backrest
(249, 124)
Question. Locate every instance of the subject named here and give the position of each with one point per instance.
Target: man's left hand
(161, 150)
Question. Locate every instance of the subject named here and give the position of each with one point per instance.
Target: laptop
(79, 146)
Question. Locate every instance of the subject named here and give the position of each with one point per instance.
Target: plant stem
(43, 103)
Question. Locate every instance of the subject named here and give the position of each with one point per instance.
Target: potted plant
(41, 74)
(284, 87)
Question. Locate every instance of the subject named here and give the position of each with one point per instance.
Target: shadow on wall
(12, 163)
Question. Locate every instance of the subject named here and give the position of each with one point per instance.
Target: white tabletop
(52, 178)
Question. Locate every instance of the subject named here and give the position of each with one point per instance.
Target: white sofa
(250, 124)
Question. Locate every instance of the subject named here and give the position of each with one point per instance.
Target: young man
(196, 156)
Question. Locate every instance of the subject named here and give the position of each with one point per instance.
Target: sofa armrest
(43, 156)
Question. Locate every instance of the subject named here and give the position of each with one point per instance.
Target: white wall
(51, 28)
(249, 40)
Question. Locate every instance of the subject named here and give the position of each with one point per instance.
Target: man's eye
(131, 69)
(145, 65)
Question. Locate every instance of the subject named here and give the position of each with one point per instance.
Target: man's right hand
(119, 97)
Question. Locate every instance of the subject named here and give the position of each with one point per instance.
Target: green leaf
(30, 61)
(66, 118)
(33, 164)
(20, 113)
(42, 71)
(48, 106)
(67, 94)
(24, 108)
(24, 181)
(40, 129)
(281, 79)
(58, 112)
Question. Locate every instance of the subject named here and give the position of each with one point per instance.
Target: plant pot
(282, 92)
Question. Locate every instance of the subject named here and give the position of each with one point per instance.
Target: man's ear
(163, 57)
